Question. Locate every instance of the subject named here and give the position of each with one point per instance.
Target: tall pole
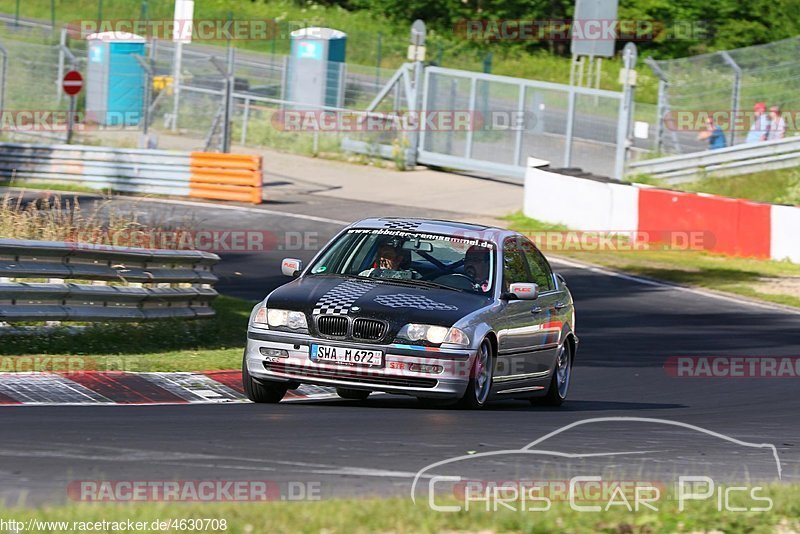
(176, 84)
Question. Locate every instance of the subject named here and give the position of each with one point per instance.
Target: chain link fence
(728, 83)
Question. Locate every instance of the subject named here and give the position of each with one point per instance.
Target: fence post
(660, 111)
(226, 127)
(625, 112)
(378, 61)
(3, 69)
(737, 81)
(62, 45)
(570, 124)
(245, 119)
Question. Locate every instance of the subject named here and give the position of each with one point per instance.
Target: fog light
(424, 368)
(273, 353)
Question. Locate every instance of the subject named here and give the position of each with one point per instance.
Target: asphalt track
(628, 330)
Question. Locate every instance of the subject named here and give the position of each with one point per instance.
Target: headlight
(433, 334)
(275, 318)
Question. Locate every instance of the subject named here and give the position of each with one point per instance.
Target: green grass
(760, 279)
(36, 184)
(400, 515)
(778, 186)
(215, 343)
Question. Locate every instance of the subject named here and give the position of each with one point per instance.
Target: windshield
(416, 258)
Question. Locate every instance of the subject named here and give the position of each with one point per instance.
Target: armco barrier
(729, 226)
(730, 161)
(109, 283)
(163, 172)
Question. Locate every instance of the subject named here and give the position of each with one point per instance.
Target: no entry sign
(72, 83)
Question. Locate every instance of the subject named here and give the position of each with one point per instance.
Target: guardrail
(109, 283)
(730, 161)
(162, 172)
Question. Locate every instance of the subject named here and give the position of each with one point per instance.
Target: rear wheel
(559, 384)
(261, 392)
(480, 380)
(352, 394)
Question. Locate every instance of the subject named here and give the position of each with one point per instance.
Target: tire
(261, 392)
(559, 384)
(480, 379)
(352, 394)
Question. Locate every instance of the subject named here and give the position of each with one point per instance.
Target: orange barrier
(730, 226)
(226, 177)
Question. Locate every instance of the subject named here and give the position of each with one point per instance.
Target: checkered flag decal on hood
(417, 302)
(341, 298)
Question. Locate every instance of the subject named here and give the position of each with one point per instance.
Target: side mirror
(522, 291)
(291, 267)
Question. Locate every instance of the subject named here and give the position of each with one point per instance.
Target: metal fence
(56, 281)
(569, 126)
(730, 82)
(566, 125)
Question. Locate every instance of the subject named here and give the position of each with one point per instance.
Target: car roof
(434, 226)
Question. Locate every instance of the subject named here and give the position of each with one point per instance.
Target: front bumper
(397, 375)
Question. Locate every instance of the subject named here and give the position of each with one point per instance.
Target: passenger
(476, 266)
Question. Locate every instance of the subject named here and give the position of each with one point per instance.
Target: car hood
(397, 303)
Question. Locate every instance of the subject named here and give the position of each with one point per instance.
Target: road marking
(207, 205)
(668, 285)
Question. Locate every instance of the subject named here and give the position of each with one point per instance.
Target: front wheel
(268, 392)
(559, 384)
(480, 379)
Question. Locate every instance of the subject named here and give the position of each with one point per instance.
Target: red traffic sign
(72, 82)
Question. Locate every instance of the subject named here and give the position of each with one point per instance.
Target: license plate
(346, 356)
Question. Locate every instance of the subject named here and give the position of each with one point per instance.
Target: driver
(388, 264)
(476, 266)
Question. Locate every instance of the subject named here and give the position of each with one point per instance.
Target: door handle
(536, 309)
(560, 305)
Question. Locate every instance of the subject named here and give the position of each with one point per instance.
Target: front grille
(369, 329)
(332, 325)
(353, 375)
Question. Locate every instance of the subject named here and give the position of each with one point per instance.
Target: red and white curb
(98, 388)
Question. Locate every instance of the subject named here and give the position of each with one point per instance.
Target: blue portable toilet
(316, 68)
(114, 79)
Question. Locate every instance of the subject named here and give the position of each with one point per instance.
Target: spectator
(759, 128)
(714, 134)
(777, 124)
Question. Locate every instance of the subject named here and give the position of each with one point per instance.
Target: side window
(540, 270)
(515, 266)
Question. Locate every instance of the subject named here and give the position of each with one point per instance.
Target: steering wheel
(456, 280)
